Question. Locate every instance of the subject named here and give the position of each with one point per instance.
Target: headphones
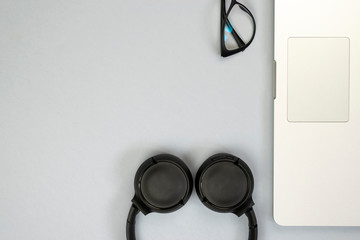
(163, 184)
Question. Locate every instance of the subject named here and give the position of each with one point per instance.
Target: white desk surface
(89, 89)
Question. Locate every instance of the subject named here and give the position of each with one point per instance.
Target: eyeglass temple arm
(237, 38)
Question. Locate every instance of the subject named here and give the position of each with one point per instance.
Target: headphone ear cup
(224, 183)
(163, 184)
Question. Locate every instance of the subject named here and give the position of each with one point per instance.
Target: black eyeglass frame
(225, 21)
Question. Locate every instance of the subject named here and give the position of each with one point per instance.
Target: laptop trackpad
(318, 79)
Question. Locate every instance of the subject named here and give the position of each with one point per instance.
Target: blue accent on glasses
(228, 28)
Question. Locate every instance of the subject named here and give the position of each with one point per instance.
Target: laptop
(317, 113)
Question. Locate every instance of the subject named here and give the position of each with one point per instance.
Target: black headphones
(163, 184)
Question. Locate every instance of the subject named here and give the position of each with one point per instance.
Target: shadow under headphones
(163, 184)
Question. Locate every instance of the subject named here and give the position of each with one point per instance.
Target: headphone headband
(131, 220)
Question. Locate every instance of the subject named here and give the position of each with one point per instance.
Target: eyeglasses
(228, 33)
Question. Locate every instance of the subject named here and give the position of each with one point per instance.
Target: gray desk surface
(89, 89)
